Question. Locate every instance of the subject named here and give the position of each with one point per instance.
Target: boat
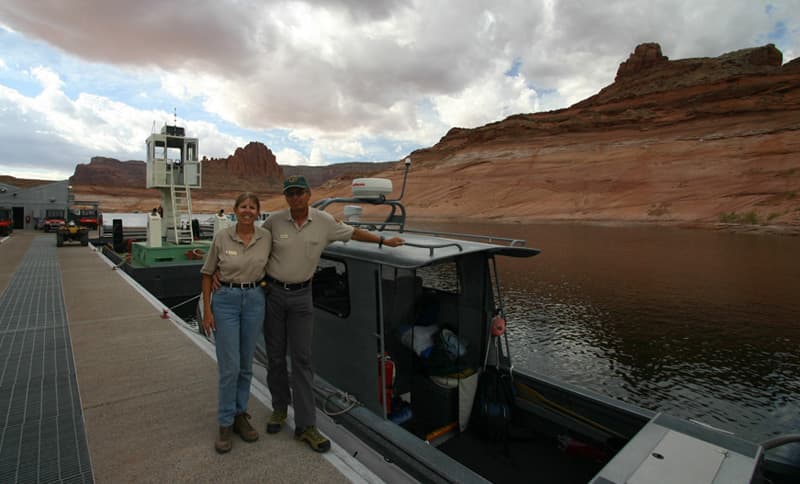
(165, 257)
(411, 357)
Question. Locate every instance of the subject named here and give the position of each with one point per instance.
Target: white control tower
(173, 168)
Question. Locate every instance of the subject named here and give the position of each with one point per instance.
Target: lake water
(697, 323)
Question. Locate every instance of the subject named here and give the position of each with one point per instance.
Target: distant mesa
(253, 168)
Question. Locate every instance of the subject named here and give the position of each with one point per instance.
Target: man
(299, 235)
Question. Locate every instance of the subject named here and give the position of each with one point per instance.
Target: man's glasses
(294, 193)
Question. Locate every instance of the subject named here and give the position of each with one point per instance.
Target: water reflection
(696, 323)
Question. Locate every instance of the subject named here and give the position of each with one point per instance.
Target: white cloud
(289, 156)
(492, 98)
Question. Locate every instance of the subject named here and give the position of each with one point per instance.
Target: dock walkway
(96, 386)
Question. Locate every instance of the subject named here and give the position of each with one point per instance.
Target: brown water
(697, 323)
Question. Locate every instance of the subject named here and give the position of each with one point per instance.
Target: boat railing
(482, 238)
(396, 218)
(431, 247)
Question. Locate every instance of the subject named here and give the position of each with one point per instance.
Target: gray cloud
(381, 68)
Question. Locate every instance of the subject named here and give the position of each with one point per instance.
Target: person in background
(299, 235)
(239, 255)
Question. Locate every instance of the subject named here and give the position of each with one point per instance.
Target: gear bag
(494, 403)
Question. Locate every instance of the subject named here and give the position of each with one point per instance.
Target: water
(696, 323)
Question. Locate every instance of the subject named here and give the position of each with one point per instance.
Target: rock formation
(110, 172)
(317, 175)
(644, 57)
(702, 140)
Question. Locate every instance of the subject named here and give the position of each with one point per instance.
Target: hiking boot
(314, 439)
(224, 442)
(275, 421)
(242, 427)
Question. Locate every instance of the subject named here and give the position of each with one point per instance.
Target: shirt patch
(231, 252)
(284, 236)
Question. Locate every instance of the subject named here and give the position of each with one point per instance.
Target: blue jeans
(238, 315)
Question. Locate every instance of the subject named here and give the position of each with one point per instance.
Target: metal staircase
(181, 197)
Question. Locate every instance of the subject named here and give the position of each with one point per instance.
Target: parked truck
(85, 214)
(6, 222)
(53, 219)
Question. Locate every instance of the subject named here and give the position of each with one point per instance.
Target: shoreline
(781, 230)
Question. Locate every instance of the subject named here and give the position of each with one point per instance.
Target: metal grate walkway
(42, 436)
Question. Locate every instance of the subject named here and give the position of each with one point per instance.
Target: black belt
(291, 287)
(240, 285)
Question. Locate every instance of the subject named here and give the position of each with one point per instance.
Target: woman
(239, 252)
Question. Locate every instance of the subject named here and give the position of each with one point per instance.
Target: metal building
(27, 206)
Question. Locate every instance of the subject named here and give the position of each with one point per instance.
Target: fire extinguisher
(389, 374)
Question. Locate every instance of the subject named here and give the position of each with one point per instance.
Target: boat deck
(96, 386)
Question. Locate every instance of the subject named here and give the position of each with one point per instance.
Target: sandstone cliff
(670, 141)
(317, 175)
(694, 140)
(110, 172)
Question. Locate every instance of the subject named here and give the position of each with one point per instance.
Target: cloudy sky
(325, 81)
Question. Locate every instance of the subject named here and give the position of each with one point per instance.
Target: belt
(240, 285)
(290, 287)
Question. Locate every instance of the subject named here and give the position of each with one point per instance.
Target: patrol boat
(411, 358)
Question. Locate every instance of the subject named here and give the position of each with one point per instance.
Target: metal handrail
(392, 219)
(431, 247)
(488, 238)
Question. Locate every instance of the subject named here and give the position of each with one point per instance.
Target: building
(30, 205)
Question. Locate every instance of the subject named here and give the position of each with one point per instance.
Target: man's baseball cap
(295, 181)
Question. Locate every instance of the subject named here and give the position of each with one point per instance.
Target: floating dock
(97, 386)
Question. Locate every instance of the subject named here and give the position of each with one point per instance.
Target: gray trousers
(288, 325)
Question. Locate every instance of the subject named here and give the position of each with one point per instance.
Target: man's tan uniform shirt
(296, 250)
(236, 262)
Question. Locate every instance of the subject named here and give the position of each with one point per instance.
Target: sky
(325, 81)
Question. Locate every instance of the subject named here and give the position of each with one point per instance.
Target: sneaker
(224, 442)
(314, 439)
(242, 427)
(275, 421)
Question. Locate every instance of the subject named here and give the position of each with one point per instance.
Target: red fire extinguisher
(389, 374)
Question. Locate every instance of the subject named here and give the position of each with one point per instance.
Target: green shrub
(747, 218)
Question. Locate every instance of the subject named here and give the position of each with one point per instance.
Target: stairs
(181, 210)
